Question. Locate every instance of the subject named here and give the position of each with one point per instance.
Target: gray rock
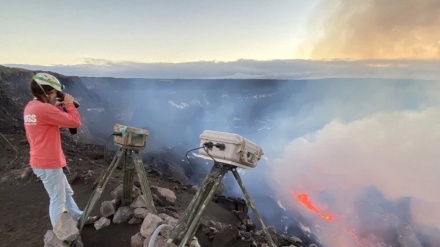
(51, 240)
(101, 223)
(165, 194)
(108, 208)
(138, 202)
(150, 223)
(140, 213)
(137, 240)
(66, 227)
(123, 214)
(119, 191)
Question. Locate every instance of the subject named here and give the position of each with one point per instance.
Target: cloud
(374, 29)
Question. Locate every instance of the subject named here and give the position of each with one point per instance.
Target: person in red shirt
(42, 122)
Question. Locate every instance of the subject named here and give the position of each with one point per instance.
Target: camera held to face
(60, 97)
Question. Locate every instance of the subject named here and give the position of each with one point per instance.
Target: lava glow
(304, 199)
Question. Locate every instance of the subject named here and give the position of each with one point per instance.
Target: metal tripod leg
(99, 188)
(254, 209)
(183, 221)
(127, 186)
(190, 220)
(196, 222)
(145, 186)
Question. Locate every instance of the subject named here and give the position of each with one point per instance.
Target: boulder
(101, 223)
(123, 214)
(150, 223)
(108, 208)
(66, 227)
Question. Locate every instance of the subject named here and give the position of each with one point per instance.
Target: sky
(127, 39)
(66, 32)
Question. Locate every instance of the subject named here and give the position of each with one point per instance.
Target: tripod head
(130, 137)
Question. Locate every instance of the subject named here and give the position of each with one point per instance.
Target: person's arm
(69, 119)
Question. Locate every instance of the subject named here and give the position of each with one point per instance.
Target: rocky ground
(24, 203)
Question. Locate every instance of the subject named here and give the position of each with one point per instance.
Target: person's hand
(68, 99)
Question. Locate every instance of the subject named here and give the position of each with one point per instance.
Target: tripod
(187, 225)
(129, 169)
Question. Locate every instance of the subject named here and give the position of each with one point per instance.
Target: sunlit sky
(135, 37)
(71, 32)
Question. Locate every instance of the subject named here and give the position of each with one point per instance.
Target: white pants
(60, 193)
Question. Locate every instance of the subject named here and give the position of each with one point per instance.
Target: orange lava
(304, 200)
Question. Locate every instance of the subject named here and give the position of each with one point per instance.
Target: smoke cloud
(374, 29)
(392, 150)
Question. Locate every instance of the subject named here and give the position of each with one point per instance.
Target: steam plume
(375, 29)
(392, 150)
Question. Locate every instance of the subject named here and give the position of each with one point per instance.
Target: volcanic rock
(51, 240)
(165, 194)
(66, 227)
(108, 208)
(140, 213)
(150, 223)
(138, 202)
(118, 192)
(101, 223)
(137, 240)
(123, 214)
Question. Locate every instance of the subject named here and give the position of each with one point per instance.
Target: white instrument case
(238, 150)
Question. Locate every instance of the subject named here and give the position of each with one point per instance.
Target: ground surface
(24, 202)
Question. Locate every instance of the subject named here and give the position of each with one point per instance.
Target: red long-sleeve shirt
(42, 122)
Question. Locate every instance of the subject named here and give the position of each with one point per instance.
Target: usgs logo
(30, 119)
